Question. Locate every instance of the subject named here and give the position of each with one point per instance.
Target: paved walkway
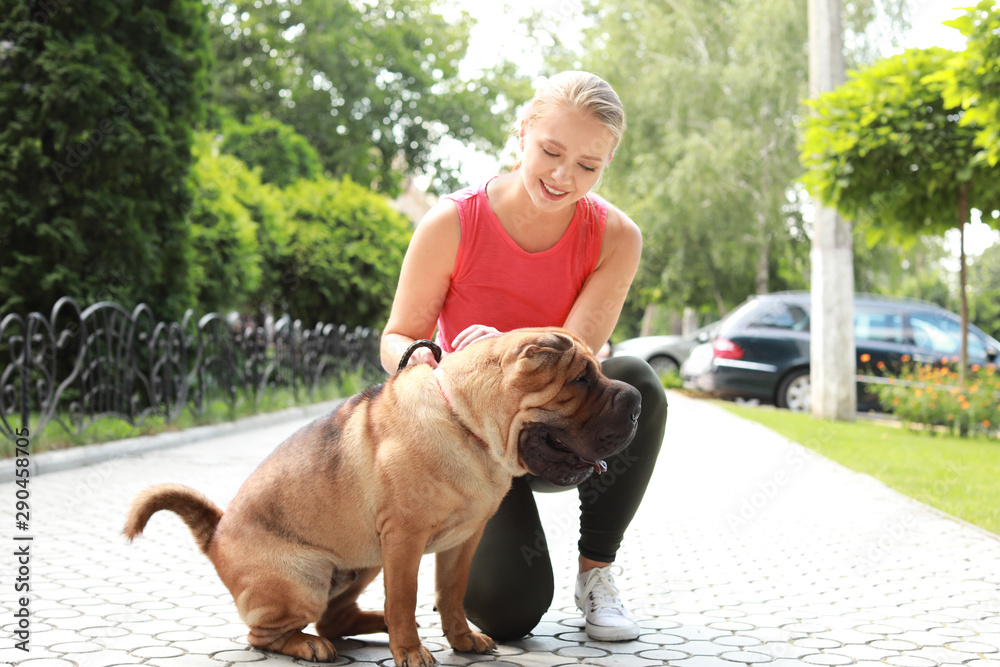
(748, 549)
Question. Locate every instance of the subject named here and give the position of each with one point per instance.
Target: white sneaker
(599, 600)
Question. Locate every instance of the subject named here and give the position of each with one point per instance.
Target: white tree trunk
(833, 364)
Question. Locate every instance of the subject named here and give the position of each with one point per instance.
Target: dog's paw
(309, 647)
(417, 656)
(472, 642)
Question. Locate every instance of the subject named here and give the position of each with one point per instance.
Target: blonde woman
(534, 247)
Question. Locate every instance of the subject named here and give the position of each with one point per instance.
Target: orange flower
(905, 358)
(880, 365)
(961, 398)
(986, 423)
(975, 368)
(865, 358)
(951, 418)
(918, 392)
(954, 359)
(964, 406)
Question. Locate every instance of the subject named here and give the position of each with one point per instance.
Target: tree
(887, 151)
(373, 86)
(973, 80)
(97, 108)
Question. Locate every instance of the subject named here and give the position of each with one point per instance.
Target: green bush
(933, 396)
(225, 217)
(337, 255)
(283, 155)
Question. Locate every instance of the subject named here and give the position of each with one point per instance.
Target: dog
(414, 465)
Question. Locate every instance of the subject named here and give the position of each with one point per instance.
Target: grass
(110, 429)
(956, 475)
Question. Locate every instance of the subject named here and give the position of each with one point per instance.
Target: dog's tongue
(599, 466)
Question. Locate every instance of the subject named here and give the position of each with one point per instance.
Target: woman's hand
(472, 334)
(423, 355)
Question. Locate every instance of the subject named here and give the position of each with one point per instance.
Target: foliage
(934, 395)
(96, 113)
(230, 205)
(372, 86)
(889, 153)
(283, 155)
(974, 78)
(318, 249)
(344, 251)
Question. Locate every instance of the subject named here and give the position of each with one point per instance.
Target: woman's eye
(550, 154)
(590, 169)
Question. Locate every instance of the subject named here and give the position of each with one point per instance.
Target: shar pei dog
(414, 465)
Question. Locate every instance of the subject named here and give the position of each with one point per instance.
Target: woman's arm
(423, 285)
(595, 311)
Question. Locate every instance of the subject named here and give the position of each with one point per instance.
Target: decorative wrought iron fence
(78, 366)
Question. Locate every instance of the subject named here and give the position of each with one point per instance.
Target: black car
(761, 350)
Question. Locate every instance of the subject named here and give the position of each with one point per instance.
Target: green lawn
(960, 476)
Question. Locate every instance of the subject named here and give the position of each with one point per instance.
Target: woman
(534, 247)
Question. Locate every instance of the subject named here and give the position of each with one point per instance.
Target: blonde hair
(581, 91)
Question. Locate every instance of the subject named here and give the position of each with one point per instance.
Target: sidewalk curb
(87, 455)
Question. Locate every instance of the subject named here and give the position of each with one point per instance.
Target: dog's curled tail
(199, 513)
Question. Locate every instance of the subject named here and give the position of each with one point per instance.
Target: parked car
(664, 353)
(761, 350)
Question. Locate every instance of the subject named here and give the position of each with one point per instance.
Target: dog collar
(482, 443)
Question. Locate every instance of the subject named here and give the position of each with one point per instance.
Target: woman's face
(563, 155)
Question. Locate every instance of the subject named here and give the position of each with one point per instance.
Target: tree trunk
(963, 216)
(763, 254)
(833, 362)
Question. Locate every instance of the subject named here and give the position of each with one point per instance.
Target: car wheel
(795, 392)
(662, 364)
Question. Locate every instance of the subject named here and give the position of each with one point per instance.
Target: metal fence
(76, 366)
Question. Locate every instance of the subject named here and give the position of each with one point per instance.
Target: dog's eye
(581, 378)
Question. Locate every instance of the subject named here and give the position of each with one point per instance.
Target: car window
(943, 335)
(878, 326)
(778, 315)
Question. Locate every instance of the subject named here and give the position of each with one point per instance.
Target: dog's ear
(546, 348)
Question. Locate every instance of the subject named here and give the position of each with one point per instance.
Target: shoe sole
(603, 634)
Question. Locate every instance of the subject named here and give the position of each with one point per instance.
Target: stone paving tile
(747, 550)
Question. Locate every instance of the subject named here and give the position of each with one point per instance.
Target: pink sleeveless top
(496, 283)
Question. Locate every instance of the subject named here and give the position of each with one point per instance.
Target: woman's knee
(639, 374)
(506, 612)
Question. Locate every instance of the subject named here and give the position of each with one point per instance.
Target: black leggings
(510, 584)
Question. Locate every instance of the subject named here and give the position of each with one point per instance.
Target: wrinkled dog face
(582, 416)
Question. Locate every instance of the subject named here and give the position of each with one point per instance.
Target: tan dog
(412, 466)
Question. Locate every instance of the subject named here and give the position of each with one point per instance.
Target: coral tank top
(497, 283)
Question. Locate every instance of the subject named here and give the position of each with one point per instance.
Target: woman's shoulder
(616, 221)
(622, 237)
(441, 222)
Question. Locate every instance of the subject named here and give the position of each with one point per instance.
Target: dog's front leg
(401, 552)
(451, 576)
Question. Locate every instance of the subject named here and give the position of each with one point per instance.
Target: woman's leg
(609, 501)
(510, 582)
